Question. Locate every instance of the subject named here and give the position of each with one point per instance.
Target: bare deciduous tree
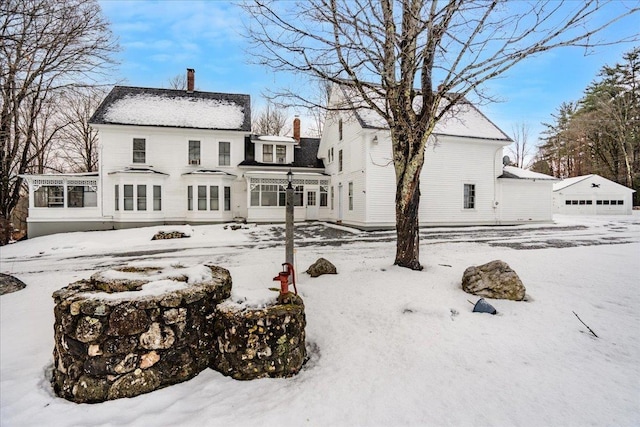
(78, 141)
(521, 147)
(45, 45)
(271, 120)
(179, 82)
(382, 49)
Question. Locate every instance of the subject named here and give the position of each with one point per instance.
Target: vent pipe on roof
(296, 129)
(191, 78)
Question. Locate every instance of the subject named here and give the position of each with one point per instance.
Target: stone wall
(135, 329)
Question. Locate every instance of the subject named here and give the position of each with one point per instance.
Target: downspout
(495, 184)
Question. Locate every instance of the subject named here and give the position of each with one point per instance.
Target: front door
(312, 204)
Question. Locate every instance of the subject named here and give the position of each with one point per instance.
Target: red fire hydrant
(283, 278)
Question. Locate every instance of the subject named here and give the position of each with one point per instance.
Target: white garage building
(591, 195)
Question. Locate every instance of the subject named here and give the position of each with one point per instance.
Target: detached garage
(591, 195)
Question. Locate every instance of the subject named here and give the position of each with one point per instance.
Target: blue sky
(160, 39)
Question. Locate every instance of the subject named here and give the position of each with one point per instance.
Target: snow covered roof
(60, 175)
(576, 179)
(569, 181)
(463, 120)
(517, 173)
(272, 138)
(210, 172)
(127, 105)
(141, 170)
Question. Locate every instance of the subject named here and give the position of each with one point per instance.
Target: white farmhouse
(462, 182)
(592, 195)
(174, 157)
(185, 156)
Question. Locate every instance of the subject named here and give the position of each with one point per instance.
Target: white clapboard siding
(167, 152)
(523, 200)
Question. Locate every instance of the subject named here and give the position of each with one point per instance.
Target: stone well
(135, 329)
(260, 342)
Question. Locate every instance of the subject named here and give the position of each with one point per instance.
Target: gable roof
(576, 179)
(463, 120)
(126, 105)
(569, 181)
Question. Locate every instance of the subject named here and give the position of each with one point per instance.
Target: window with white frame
(311, 198)
(340, 161)
(139, 150)
(275, 195)
(324, 195)
(267, 153)
(116, 192)
(81, 196)
(227, 198)
(142, 197)
(281, 153)
(49, 196)
(469, 196)
(340, 129)
(194, 152)
(128, 197)
(202, 197)
(157, 198)
(351, 196)
(214, 198)
(224, 153)
(208, 197)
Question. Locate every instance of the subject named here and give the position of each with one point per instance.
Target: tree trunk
(407, 224)
(408, 162)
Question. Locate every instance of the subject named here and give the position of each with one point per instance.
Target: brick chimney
(191, 79)
(296, 129)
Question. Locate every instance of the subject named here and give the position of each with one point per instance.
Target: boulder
(320, 267)
(493, 280)
(10, 284)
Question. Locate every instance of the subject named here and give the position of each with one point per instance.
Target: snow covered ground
(388, 346)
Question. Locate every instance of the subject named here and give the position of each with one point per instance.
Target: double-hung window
(139, 150)
(351, 196)
(142, 197)
(267, 153)
(194, 152)
(224, 153)
(214, 201)
(281, 154)
(157, 198)
(128, 197)
(202, 197)
(340, 161)
(469, 196)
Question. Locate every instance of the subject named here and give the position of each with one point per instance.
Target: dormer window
(281, 154)
(194, 152)
(267, 153)
(139, 150)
